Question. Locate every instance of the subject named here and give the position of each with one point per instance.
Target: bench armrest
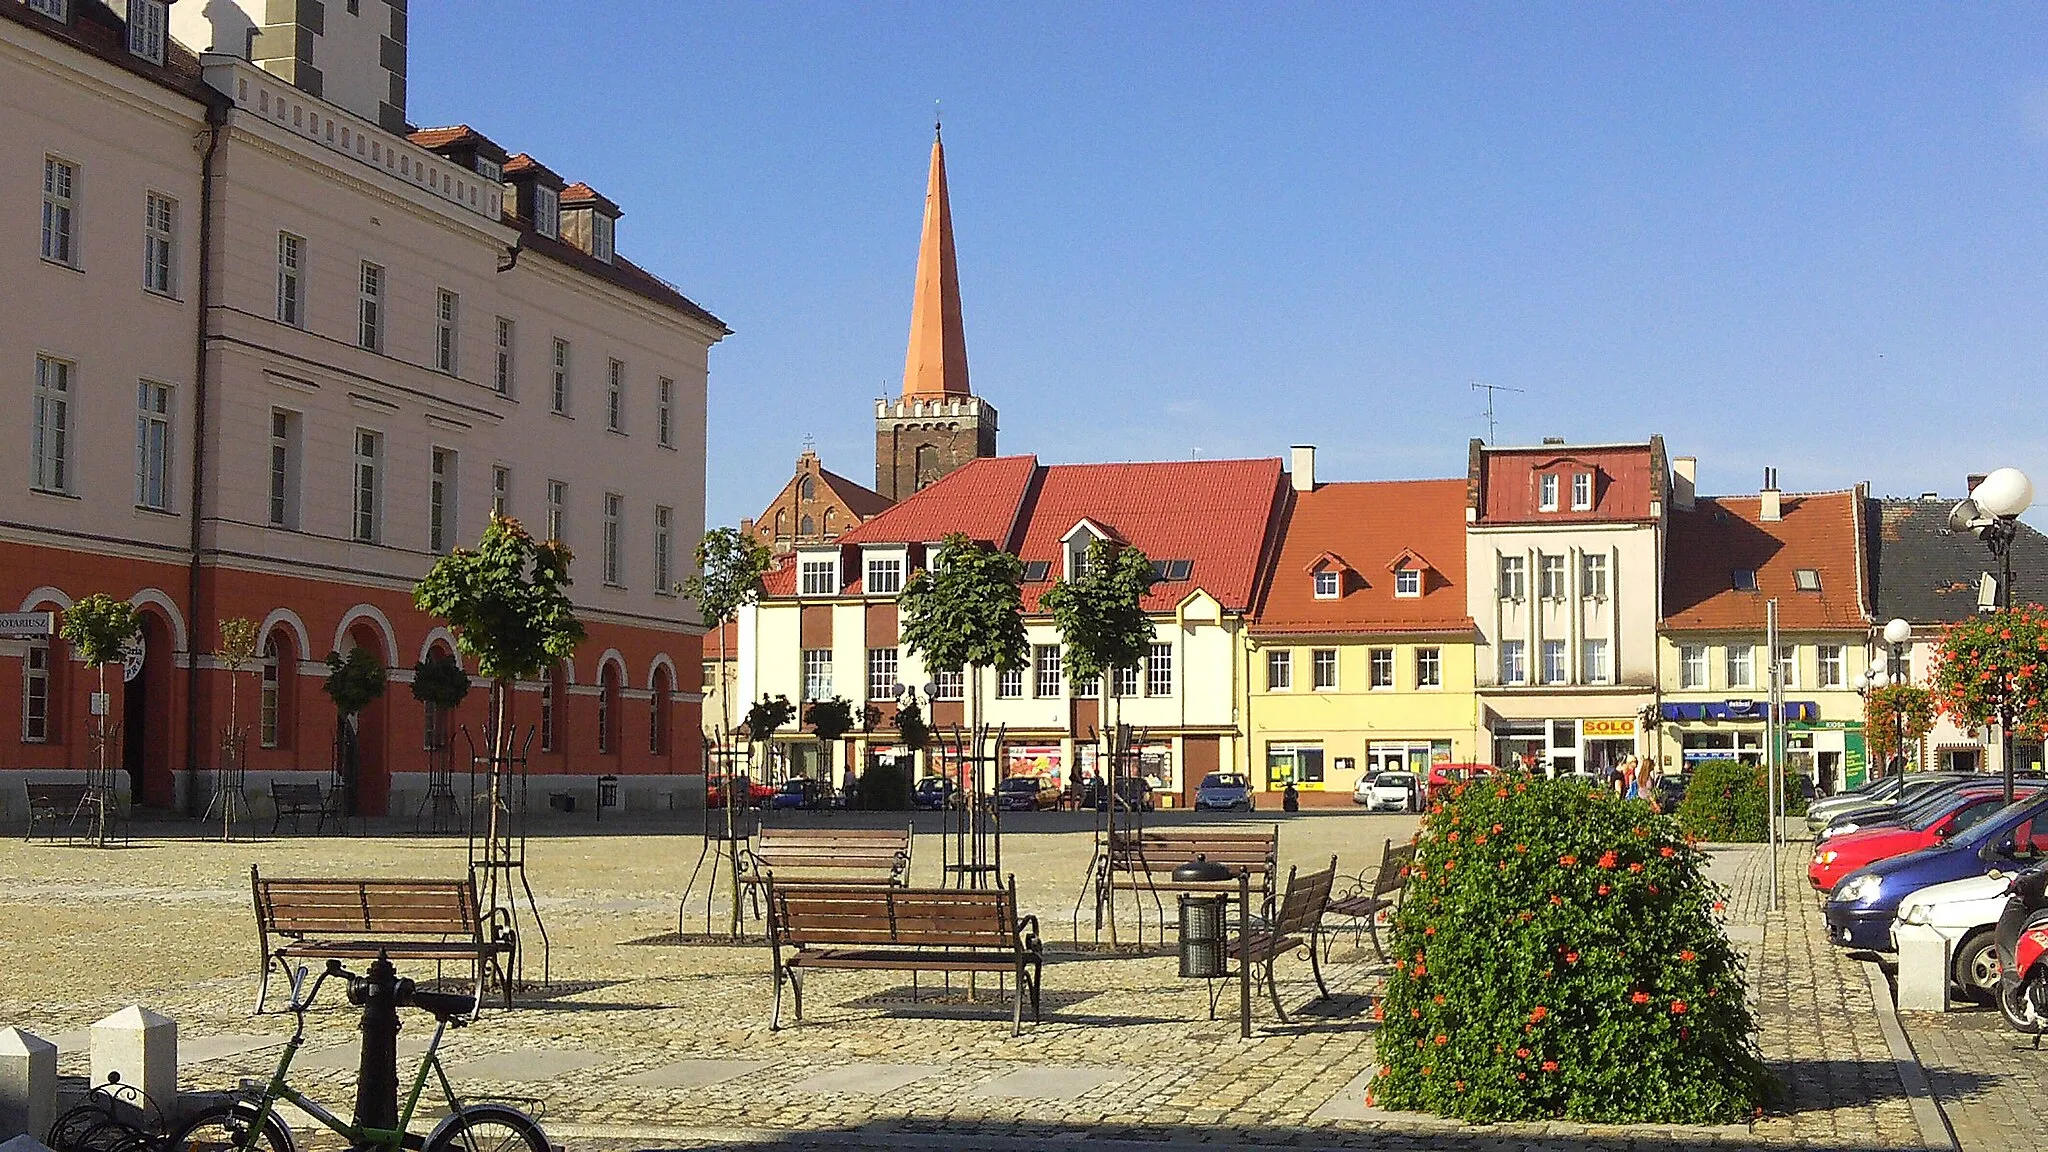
(1027, 934)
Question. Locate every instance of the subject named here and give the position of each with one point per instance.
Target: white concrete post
(1924, 956)
(142, 1047)
(28, 1084)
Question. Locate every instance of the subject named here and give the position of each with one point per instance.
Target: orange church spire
(937, 361)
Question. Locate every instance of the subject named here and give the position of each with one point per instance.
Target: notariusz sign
(27, 625)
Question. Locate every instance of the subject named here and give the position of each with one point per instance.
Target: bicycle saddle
(447, 1007)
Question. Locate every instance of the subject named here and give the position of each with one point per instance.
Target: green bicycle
(250, 1121)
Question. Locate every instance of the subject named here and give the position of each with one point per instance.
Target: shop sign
(27, 625)
(1609, 728)
(1702, 755)
(1824, 726)
(1035, 760)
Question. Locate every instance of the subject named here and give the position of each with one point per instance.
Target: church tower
(937, 424)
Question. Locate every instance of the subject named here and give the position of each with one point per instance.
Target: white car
(1965, 911)
(1387, 792)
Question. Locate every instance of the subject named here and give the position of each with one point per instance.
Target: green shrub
(1558, 957)
(1728, 803)
(885, 787)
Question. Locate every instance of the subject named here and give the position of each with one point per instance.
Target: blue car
(1859, 912)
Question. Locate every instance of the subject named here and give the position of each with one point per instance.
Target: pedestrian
(1290, 800)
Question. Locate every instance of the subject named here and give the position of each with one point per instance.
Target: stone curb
(1935, 1131)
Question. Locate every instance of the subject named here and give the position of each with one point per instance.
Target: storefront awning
(1758, 710)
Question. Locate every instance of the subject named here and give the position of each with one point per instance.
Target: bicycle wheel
(488, 1128)
(226, 1126)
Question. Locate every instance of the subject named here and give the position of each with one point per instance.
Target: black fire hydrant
(378, 993)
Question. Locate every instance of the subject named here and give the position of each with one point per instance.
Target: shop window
(1299, 764)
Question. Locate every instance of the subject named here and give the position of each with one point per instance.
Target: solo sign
(1609, 728)
(27, 625)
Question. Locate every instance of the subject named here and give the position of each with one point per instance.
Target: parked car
(1859, 911)
(1132, 792)
(1908, 788)
(758, 792)
(801, 792)
(1391, 792)
(1671, 792)
(1224, 792)
(935, 792)
(1916, 801)
(1943, 816)
(1027, 794)
(1821, 811)
(1966, 912)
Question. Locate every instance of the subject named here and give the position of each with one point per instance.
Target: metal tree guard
(497, 851)
(728, 828)
(101, 795)
(971, 851)
(438, 811)
(1119, 833)
(344, 772)
(228, 781)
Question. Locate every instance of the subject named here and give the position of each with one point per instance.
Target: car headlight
(1825, 858)
(1913, 914)
(1859, 888)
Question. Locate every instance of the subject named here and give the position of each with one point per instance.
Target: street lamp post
(1992, 514)
(1897, 635)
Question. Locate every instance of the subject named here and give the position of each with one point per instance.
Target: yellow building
(1359, 657)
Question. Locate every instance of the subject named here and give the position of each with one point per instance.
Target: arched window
(276, 695)
(550, 683)
(434, 720)
(657, 715)
(781, 524)
(831, 514)
(807, 527)
(927, 466)
(607, 709)
(807, 488)
(36, 696)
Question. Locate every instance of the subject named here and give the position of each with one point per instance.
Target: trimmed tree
(235, 651)
(966, 610)
(1994, 670)
(98, 628)
(730, 565)
(354, 682)
(440, 683)
(1557, 957)
(1882, 712)
(830, 721)
(764, 716)
(1101, 616)
(505, 602)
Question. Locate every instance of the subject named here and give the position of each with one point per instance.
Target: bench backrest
(1393, 873)
(839, 849)
(1301, 906)
(880, 915)
(44, 793)
(287, 792)
(365, 907)
(1166, 850)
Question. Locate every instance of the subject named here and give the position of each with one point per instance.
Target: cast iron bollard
(378, 993)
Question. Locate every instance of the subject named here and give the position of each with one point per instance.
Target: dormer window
(489, 169)
(818, 577)
(1582, 491)
(1546, 492)
(885, 576)
(601, 233)
(547, 211)
(145, 28)
(54, 9)
(1408, 582)
(1329, 584)
(1076, 543)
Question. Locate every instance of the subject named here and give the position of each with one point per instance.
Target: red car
(1838, 856)
(758, 793)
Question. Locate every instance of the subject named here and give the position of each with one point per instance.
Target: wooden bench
(822, 856)
(435, 920)
(883, 926)
(1295, 923)
(293, 800)
(49, 803)
(1145, 861)
(1368, 900)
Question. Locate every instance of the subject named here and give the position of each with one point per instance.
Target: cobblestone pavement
(666, 1045)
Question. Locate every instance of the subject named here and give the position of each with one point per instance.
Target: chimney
(1971, 481)
(1553, 440)
(1772, 506)
(1304, 467)
(1685, 475)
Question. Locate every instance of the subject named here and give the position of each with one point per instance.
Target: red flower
(1420, 971)
(1604, 889)
(1678, 1007)
(1521, 1075)
(1442, 1039)
(1640, 998)
(1521, 1053)
(1636, 866)
(1538, 1014)
(1556, 899)
(1500, 794)
(1415, 1012)
(1607, 859)
(1496, 827)
(1567, 860)
(1521, 847)
(1429, 930)
(1687, 955)
(1571, 957)
(1454, 837)
(1550, 1065)
(1667, 852)
(1438, 998)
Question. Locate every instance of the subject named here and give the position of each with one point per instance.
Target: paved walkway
(662, 1045)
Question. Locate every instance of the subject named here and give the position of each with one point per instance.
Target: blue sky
(1802, 236)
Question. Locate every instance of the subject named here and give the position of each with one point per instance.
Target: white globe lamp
(2004, 492)
(1897, 632)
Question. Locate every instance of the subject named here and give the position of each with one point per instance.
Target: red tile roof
(981, 498)
(859, 499)
(522, 164)
(1504, 485)
(1726, 534)
(1369, 525)
(439, 137)
(1215, 513)
(580, 193)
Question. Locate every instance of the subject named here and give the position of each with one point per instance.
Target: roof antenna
(938, 121)
(1492, 421)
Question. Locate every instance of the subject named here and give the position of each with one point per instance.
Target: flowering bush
(1557, 956)
(1998, 658)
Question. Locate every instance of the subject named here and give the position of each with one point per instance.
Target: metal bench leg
(1372, 925)
(796, 987)
(1273, 990)
(1315, 966)
(775, 1018)
(1017, 1004)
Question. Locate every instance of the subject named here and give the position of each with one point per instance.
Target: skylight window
(1035, 571)
(1744, 579)
(1806, 579)
(1172, 571)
